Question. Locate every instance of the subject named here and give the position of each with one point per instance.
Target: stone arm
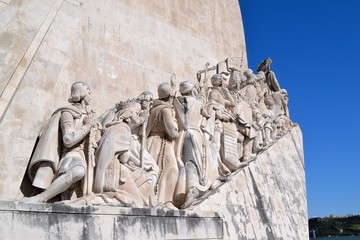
(136, 121)
(261, 90)
(222, 116)
(142, 128)
(219, 107)
(207, 111)
(214, 96)
(273, 82)
(202, 98)
(171, 126)
(144, 114)
(285, 105)
(72, 136)
(229, 100)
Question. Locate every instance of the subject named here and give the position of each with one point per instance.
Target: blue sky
(315, 48)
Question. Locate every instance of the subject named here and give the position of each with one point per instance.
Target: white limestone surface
(267, 199)
(20, 221)
(120, 48)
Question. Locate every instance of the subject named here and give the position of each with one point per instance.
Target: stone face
(267, 199)
(120, 48)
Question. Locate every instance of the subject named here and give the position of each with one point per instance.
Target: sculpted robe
(272, 81)
(50, 156)
(119, 169)
(192, 148)
(161, 129)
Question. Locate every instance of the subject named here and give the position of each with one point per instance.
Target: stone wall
(120, 48)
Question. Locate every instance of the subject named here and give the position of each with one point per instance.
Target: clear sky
(315, 48)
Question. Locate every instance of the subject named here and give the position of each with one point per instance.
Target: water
(337, 238)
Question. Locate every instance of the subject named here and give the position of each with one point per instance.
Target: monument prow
(134, 119)
(264, 200)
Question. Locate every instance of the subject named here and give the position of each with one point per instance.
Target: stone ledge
(100, 210)
(59, 221)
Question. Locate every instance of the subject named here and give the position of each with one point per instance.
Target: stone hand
(90, 122)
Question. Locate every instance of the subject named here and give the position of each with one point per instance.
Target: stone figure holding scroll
(69, 171)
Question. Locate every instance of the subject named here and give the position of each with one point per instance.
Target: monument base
(58, 221)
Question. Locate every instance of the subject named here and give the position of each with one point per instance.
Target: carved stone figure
(272, 113)
(146, 99)
(271, 80)
(162, 128)
(124, 171)
(220, 101)
(244, 116)
(282, 111)
(70, 170)
(266, 117)
(191, 146)
(261, 89)
(251, 97)
(285, 102)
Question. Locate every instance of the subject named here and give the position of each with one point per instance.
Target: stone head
(260, 76)
(269, 101)
(217, 80)
(128, 110)
(250, 76)
(146, 99)
(80, 91)
(164, 90)
(264, 65)
(248, 73)
(186, 87)
(234, 80)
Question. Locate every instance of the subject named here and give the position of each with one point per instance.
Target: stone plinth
(56, 221)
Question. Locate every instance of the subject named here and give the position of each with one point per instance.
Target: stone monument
(141, 119)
